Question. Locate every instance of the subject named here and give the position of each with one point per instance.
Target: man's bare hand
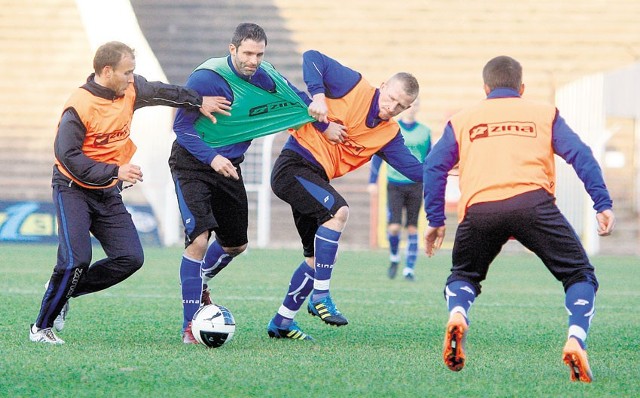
(217, 104)
(335, 133)
(433, 238)
(130, 173)
(224, 167)
(318, 108)
(606, 222)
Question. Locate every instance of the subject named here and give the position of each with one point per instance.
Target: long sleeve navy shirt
(566, 144)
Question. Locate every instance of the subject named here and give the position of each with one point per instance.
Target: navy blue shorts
(407, 197)
(535, 221)
(305, 186)
(209, 201)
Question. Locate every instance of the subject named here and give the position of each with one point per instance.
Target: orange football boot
(576, 359)
(453, 352)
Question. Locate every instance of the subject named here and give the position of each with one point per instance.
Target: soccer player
(403, 194)
(205, 158)
(92, 151)
(358, 124)
(505, 148)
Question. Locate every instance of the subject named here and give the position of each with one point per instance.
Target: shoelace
(49, 334)
(330, 306)
(295, 328)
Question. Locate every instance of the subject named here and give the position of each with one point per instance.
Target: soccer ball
(213, 325)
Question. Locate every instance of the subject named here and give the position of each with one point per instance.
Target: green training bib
(256, 112)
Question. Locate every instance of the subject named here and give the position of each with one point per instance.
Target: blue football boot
(292, 332)
(327, 311)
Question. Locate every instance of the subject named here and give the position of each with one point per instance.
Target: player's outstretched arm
(215, 104)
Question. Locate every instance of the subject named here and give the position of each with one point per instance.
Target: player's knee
(393, 229)
(198, 247)
(235, 250)
(132, 261)
(137, 259)
(339, 219)
(342, 215)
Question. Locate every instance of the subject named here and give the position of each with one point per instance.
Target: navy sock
(394, 245)
(412, 250)
(326, 249)
(215, 259)
(580, 303)
(300, 286)
(460, 296)
(191, 288)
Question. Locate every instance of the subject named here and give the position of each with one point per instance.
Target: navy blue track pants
(80, 212)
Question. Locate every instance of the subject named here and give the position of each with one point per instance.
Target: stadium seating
(445, 44)
(44, 54)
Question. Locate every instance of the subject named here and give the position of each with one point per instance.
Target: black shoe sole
(328, 320)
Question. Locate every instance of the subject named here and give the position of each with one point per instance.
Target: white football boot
(43, 336)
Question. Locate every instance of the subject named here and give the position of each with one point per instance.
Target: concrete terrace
(444, 43)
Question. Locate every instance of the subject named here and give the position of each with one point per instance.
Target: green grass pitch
(125, 341)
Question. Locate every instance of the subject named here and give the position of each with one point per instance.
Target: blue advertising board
(35, 222)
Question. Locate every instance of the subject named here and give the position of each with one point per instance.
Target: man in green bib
(205, 158)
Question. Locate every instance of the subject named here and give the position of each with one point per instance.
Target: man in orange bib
(505, 147)
(356, 124)
(92, 152)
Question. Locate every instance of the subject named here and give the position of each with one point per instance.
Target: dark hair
(110, 54)
(250, 31)
(502, 71)
(409, 82)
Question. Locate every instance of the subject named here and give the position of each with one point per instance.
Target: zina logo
(116, 135)
(352, 146)
(272, 107)
(485, 130)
